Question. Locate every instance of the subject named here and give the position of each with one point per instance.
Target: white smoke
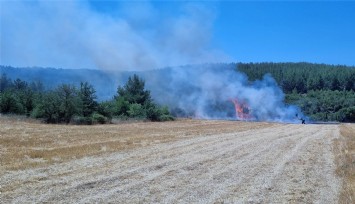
(206, 91)
(132, 36)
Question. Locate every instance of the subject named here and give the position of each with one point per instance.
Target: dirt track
(241, 162)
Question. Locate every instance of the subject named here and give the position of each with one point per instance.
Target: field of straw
(181, 161)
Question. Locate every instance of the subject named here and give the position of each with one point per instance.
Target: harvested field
(172, 162)
(345, 160)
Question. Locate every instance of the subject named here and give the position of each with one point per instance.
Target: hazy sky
(136, 35)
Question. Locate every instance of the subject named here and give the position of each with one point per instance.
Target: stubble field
(172, 162)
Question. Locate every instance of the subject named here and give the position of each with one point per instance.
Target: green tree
(10, 103)
(49, 108)
(107, 109)
(37, 86)
(335, 84)
(132, 100)
(133, 91)
(27, 99)
(121, 106)
(70, 102)
(88, 99)
(5, 82)
(20, 85)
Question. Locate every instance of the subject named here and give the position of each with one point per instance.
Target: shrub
(37, 112)
(164, 114)
(166, 118)
(107, 109)
(155, 113)
(98, 118)
(121, 107)
(137, 111)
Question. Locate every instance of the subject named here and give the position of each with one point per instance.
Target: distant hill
(104, 82)
(290, 76)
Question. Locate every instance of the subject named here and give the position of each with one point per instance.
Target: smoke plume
(130, 36)
(209, 92)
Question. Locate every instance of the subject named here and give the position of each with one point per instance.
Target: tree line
(323, 92)
(303, 77)
(78, 105)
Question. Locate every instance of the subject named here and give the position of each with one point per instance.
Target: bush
(166, 118)
(121, 107)
(155, 113)
(107, 109)
(37, 112)
(98, 118)
(347, 114)
(164, 114)
(137, 111)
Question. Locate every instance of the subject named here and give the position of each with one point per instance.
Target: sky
(140, 35)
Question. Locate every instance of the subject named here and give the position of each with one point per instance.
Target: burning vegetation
(242, 110)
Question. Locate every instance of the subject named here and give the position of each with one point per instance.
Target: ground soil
(185, 161)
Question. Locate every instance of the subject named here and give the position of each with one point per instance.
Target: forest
(323, 92)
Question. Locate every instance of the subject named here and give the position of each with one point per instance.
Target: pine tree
(88, 99)
(69, 102)
(133, 91)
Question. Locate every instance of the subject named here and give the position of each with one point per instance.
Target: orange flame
(242, 110)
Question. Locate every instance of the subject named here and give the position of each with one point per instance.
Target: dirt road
(238, 163)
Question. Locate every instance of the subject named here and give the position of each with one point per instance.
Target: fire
(242, 110)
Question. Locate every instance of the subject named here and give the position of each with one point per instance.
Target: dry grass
(181, 161)
(27, 144)
(345, 160)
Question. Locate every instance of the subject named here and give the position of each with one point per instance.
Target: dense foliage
(69, 104)
(323, 92)
(303, 77)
